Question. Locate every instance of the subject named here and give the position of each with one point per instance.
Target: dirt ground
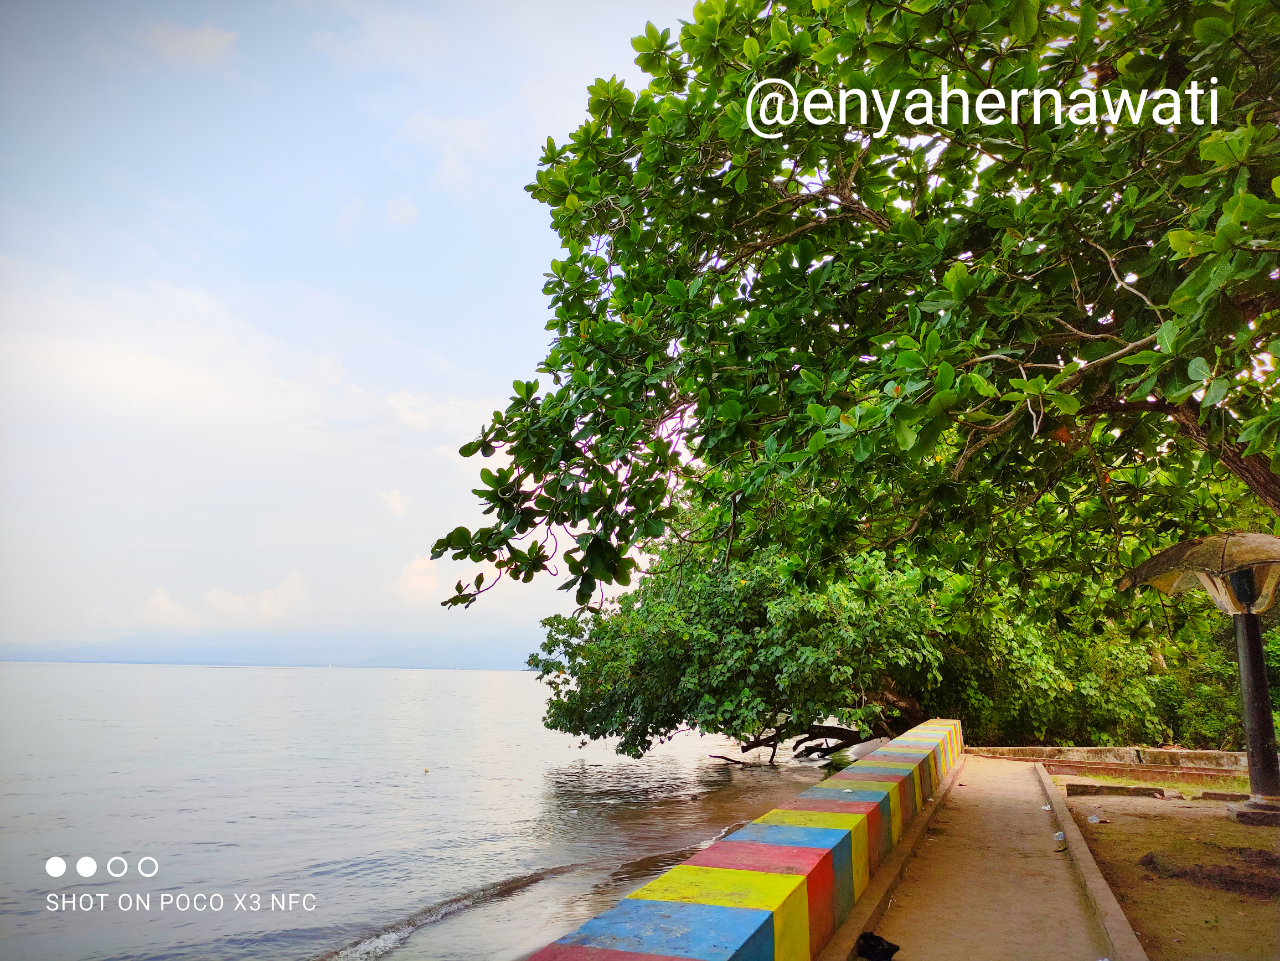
(1194, 884)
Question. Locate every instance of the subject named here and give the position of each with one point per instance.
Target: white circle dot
(86, 867)
(124, 867)
(55, 867)
(155, 867)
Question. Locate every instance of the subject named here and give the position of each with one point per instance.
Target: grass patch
(1228, 782)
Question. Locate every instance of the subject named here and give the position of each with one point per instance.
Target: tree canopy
(736, 652)
(739, 651)
(1026, 353)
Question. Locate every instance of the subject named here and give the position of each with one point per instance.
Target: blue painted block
(791, 835)
(827, 791)
(846, 794)
(704, 932)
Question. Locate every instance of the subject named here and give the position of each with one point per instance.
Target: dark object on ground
(1118, 790)
(1259, 877)
(875, 948)
(1223, 796)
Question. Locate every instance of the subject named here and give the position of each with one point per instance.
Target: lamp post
(1241, 572)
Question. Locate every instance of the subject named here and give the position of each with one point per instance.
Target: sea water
(329, 813)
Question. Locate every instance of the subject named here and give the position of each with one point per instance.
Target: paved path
(985, 884)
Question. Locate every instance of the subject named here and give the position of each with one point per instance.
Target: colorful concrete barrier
(778, 889)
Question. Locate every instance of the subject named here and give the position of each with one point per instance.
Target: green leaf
(1088, 22)
(946, 377)
(1217, 390)
(909, 360)
(1167, 335)
(931, 345)
(817, 412)
(1199, 369)
(750, 49)
(1067, 403)
(827, 54)
(1144, 357)
(904, 435)
(1180, 241)
(1212, 30)
(958, 281)
(1024, 19)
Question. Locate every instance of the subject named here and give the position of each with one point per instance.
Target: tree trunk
(1253, 469)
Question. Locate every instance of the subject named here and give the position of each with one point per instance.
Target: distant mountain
(498, 652)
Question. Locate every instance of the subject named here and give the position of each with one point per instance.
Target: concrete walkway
(985, 884)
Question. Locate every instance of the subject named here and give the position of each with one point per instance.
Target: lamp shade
(1208, 562)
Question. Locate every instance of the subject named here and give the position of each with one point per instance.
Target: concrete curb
(1227, 762)
(1124, 945)
(870, 908)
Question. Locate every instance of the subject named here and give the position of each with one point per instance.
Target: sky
(263, 268)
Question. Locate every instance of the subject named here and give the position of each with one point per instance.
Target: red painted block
(750, 856)
(579, 952)
(879, 838)
(814, 863)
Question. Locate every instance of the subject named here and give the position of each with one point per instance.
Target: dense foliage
(734, 651)
(737, 651)
(1198, 697)
(1028, 354)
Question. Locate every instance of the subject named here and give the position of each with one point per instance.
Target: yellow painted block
(855, 824)
(786, 895)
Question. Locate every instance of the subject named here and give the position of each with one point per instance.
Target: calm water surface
(306, 781)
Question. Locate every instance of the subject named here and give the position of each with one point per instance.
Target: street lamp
(1241, 572)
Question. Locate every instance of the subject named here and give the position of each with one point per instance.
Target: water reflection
(302, 779)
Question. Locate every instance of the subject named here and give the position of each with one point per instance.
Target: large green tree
(1026, 352)
(737, 650)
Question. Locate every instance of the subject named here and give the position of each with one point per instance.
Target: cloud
(401, 211)
(178, 439)
(274, 603)
(418, 580)
(515, 128)
(462, 143)
(455, 415)
(198, 48)
(386, 41)
(348, 215)
(395, 501)
(163, 611)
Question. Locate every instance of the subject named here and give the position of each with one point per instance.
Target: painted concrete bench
(778, 889)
